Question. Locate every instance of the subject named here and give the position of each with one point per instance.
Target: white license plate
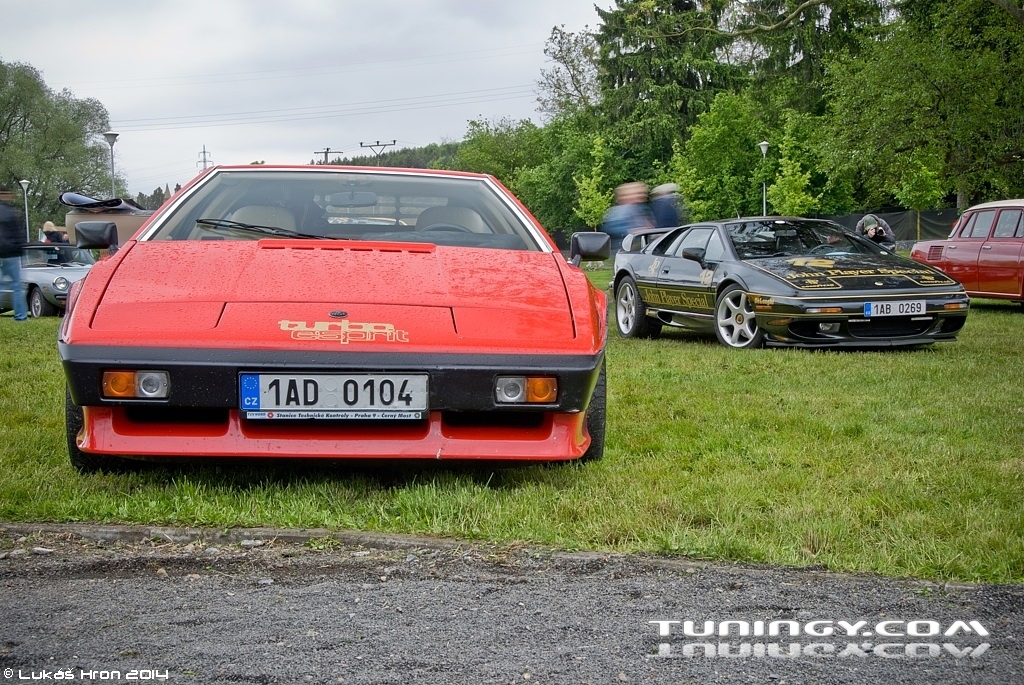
(333, 396)
(896, 308)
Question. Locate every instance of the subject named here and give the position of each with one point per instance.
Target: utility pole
(205, 161)
(326, 151)
(374, 146)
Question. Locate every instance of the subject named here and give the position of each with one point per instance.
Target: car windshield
(785, 237)
(337, 204)
(53, 255)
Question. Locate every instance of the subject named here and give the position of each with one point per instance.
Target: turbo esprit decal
(344, 331)
(678, 298)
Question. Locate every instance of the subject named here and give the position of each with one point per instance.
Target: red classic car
(270, 311)
(984, 251)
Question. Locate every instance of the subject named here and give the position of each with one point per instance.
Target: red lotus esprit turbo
(335, 312)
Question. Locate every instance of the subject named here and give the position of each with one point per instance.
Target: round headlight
(61, 283)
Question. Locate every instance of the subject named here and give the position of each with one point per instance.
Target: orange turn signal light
(119, 384)
(541, 389)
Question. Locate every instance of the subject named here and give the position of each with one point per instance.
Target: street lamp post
(111, 139)
(764, 183)
(24, 191)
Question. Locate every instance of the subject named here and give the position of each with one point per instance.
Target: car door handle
(665, 271)
(986, 247)
(950, 247)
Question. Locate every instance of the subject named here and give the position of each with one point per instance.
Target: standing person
(50, 234)
(12, 239)
(665, 205)
(873, 228)
(629, 213)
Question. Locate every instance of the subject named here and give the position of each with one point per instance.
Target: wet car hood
(266, 293)
(851, 272)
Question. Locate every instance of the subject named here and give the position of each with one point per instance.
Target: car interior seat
(264, 215)
(456, 216)
(789, 243)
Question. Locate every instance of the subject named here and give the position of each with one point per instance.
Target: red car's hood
(267, 293)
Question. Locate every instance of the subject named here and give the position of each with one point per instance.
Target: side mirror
(96, 235)
(590, 246)
(696, 254)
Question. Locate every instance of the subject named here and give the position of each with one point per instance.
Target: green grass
(906, 463)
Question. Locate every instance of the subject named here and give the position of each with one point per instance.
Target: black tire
(38, 305)
(596, 418)
(735, 322)
(85, 463)
(631, 313)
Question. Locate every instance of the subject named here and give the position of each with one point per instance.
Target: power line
(459, 96)
(314, 71)
(274, 118)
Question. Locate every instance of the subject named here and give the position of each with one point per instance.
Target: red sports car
(984, 251)
(335, 312)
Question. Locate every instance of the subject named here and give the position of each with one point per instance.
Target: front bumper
(550, 436)
(792, 323)
(201, 417)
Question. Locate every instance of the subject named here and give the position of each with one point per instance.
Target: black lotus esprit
(782, 282)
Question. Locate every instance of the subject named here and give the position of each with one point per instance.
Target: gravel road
(126, 604)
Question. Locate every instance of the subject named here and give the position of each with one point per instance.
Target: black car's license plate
(333, 396)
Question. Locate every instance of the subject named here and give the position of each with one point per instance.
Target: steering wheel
(821, 249)
(446, 227)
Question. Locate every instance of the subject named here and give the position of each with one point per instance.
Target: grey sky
(280, 80)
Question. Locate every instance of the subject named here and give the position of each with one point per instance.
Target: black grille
(889, 327)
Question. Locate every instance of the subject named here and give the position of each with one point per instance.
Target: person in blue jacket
(629, 213)
(665, 205)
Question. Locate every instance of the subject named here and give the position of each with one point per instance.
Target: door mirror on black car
(696, 254)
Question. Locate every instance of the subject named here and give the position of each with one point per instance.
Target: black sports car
(782, 282)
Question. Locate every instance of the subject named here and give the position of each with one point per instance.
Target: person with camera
(873, 228)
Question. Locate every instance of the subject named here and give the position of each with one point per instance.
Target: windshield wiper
(268, 230)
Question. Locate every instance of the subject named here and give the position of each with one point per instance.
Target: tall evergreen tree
(787, 43)
(659, 68)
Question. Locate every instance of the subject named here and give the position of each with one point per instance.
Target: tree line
(864, 104)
